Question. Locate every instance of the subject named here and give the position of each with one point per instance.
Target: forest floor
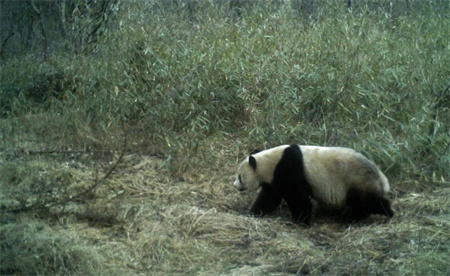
(143, 220)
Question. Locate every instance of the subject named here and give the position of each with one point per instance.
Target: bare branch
(41, 25)
(71, 198)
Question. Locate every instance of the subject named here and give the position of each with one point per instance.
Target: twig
(36, 152)
(41, 24)
(446, 148)
(97, 182)
(44, 152)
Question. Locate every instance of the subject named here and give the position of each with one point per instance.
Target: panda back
(333, 171)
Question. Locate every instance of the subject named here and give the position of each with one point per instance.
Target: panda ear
(255, 151)
(252, 162)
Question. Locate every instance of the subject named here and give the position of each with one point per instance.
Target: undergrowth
(370, 80)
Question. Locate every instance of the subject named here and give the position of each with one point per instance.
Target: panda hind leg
(379, 205)
(355, 207)
(360, 205)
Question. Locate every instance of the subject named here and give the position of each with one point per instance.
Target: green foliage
(185, 73)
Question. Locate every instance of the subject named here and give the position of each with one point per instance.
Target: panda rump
(337, 177)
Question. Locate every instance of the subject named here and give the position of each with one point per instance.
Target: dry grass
(196, 224)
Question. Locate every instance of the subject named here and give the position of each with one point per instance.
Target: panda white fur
(337, 177)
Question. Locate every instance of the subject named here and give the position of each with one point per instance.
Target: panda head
(247, 177)
(258, 168)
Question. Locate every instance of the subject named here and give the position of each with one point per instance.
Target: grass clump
(32, 247)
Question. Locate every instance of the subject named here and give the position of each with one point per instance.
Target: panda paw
(302, 219)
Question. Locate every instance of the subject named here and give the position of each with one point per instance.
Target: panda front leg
(300, 206)
(266, 202)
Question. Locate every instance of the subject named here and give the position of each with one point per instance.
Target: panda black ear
(255, 151)
(252, 162)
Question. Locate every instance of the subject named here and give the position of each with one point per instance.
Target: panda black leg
(267, 201)
(379, 205)
(300, 206)
(362, 205)
(356, 208)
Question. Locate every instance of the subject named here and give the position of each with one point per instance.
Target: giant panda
(336, 177)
